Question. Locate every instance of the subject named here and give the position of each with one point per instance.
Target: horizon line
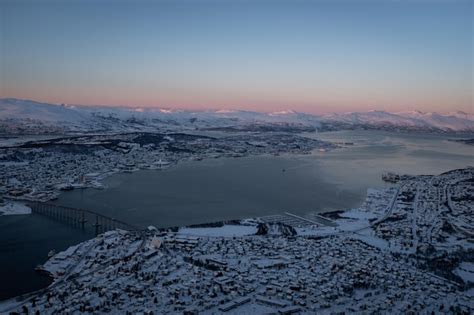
(230, 109)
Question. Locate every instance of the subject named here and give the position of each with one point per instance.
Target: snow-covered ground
(466, 271)
(14, 208)
(223, 231)
(404, 250)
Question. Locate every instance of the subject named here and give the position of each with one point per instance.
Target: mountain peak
(283, 112)
(225, 111)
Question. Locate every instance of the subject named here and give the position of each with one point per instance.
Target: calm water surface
(223, 189)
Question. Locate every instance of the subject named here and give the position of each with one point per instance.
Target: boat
(66, 187)
(162, 164)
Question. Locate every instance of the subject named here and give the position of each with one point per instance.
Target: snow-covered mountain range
(452, 122)
(25, 116)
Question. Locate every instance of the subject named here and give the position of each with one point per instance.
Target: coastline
(362, 230)
(211, 159)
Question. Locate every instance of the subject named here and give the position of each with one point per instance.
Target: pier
(80, 218)
(295, 221)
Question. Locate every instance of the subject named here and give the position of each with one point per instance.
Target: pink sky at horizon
(325, 106)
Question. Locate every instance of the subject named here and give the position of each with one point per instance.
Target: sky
(309, 56)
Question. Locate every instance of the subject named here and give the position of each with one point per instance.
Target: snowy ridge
(375, 117)
(18, 116)
(458, 121)
(11, 108)
(455, 121)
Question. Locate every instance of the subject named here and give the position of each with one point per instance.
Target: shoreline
(367, 225)
(210, 159)
(174, 229)
(124, 145)
(221, 170)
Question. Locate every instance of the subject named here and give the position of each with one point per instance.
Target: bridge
(80, 217)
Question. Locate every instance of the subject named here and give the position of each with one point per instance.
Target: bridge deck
(80, 217)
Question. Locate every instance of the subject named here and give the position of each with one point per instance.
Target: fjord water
(224, 189)
(25, 241)
(213, 190)
(232, 188)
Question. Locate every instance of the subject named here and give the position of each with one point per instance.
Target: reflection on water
(375, 153)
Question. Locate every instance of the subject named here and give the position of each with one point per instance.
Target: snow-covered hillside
(29, 116)
(25, 116)
(454, 121)
(15, 109)
(414, 120)
(375, 118)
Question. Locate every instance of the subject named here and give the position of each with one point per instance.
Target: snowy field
(224, 231)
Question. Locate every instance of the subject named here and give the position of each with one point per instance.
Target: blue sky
(312, 56)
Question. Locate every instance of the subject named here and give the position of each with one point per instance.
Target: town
(39, 170)
(406, 249)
